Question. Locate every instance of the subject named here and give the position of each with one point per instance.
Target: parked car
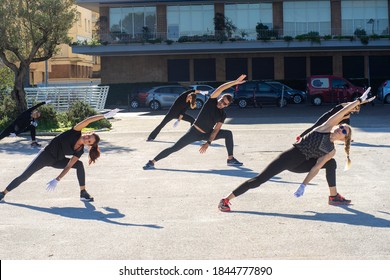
(137, 99)
(164, 96)
(331, 89)
(201, 99)
(297, 96)
(257, 93)
(384, 92)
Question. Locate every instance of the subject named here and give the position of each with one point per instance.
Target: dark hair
(193, 100)
(94, 151)
(229, 97)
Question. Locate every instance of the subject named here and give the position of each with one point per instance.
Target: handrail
(63, 97)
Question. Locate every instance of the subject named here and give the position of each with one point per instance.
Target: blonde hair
(347, 146)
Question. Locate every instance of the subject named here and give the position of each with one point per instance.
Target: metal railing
(63, 97)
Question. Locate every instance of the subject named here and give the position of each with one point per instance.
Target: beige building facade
(66, 67)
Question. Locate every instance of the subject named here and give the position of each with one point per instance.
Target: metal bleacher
(63, 97)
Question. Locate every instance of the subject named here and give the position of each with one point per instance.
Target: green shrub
(79, 111)
(48, 119)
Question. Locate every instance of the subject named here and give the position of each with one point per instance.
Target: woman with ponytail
(68, 143)
(318, 144)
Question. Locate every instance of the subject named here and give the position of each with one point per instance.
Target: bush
(48, 119)
(79, 111)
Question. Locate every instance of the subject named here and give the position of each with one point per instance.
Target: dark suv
(257, 93)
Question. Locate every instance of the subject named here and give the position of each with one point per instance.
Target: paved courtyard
(171, 213)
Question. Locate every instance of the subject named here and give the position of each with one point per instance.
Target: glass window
(301, 17)
(190, 20)
(370, 15)
(246, 16)
(132, 20)
(337, 83)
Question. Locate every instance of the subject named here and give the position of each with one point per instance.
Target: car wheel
(199, 104)
(317, 100)
(242, 103)
(134, 104)
(281, 102)
(297, 99)
(387, 99)
(154, 105)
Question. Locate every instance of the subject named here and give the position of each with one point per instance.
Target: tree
(30, 31)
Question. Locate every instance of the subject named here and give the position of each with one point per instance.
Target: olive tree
(30, 31)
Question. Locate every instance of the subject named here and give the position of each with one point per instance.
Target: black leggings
(166, 120)
(292, 160)
(12, 129)
(44, 159)
(194, 135)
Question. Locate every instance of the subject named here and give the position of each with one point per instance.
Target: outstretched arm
(87, 121)
(36, 106)
(221, 88)
(95, 118)
(338, 117)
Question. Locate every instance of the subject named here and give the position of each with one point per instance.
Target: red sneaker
(338, 200)
(224, 205)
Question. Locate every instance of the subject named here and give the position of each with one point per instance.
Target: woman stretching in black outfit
(318, 144)
(68, 143)
(178, 111)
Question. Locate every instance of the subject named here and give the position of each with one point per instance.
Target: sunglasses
(343, 130)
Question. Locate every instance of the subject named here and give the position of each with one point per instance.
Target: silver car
(384, 92)
(163, 96)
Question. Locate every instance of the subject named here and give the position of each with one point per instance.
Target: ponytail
(193, 100)
(94, 151)
(347, 146)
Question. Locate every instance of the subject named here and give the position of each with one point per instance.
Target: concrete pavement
(171, 212)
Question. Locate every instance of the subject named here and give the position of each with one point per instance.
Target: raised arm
(338, 117)
(221, 88)
(95, 118)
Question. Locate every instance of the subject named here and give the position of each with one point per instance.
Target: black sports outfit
(179, 107)
(54, 155)
(24, 122)
(208, 117)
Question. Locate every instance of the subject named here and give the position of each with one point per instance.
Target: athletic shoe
(338, 200)
(150, 140)
(35, 144)
(2, 194)
(224, 205)
(149, 165)
(84, 196)
(233, 162)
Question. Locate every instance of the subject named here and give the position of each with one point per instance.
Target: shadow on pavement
(356, 218)
(87, 213)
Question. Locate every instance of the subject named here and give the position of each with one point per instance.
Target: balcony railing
(243, 35)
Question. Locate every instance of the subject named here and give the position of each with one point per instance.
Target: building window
(235, 67)
(79, 18)
(134, 21)
(301, 17)
(370, 15)
(85, 25)
(263, 68)
(190, 20)
(204, 70)
(379, 67)
(178, 70)
(295, 68)
(321, 65)
(353, 67)
(246, 16)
